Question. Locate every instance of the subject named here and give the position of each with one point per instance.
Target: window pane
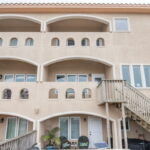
(121, 24)
(11, 128)
(82, 78)
(61, 78)
(9, 78)
(72, 78)
(1, 41)
(75, 128)
(20, 78)
(71, 42)
(147, 75)
(22, 127)
(137, 76)
(126, 73)
(31, 78)
(13, 42)
(64, 126)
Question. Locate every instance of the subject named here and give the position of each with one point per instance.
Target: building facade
(65, 65)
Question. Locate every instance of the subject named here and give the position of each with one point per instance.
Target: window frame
(17, 126)
(26, 41)
(29, 75)
(20, 74)
(143, 79)
(9, 74)
(69, 126)
(72, 40)
(121, 31)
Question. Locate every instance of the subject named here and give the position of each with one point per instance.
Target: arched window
(70, 42)
(29, 42)
(53, 93)
(7, 94)
(55, 42)
(24, 94)
(70, 93)
(1, 41)
(100, 42)
(86, 93)
(85, 42)
(13, 42)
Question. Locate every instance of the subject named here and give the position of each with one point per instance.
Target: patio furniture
(101, 145)
(83, 142)
(65, 144)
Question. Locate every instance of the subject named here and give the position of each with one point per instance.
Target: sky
(78, 1)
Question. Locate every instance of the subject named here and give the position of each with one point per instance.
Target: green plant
(52, 138)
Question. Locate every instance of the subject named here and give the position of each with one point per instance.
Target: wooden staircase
(137, 105)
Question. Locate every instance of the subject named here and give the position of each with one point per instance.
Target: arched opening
(70, 93)
(55, 42)
(12, 125)
(100, 42)
(1, 41)
(13, 42)
(77, 69)
(85, 42)
(73, 125)
(53, 93)
(7, 94)
(17, 70)
(78, 23)
(86, 93)
(24, 94)
(70, 42)
(29, 42)
(19, 23)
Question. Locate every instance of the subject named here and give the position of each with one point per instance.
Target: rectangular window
(137, 76)
(75, 128)
(31, 78)
(70, 127)
(127, 124)
(60, 78)
(126, 73)
(72, 78)
(23, 124)
(82, 78)
(147, 75)
(11, 128)
(9, 78)
(121, 24)
(20, 78)
(64, 121)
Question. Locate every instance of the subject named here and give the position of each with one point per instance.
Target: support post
(108, 124)
(124, 126)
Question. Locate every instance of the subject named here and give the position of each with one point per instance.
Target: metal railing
(19, 143)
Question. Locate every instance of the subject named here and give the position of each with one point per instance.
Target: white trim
(121, 31)
(17, 115)
(23, 17)
(19, 59)
(132, 74)
(69, 125)
(74, 112)
(60, 59)
(79, 16)
(7, 127)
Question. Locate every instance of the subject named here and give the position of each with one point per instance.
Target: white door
(97, 77)
(94, 131)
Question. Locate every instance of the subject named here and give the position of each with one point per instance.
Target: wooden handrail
(115, 91)
(19, 143)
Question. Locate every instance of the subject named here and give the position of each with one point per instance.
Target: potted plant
(52, 139)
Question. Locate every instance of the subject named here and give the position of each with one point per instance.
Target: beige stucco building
(65, 64)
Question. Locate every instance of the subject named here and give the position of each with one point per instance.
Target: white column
(124, 126)
(38, 73)
(108, 123)
(38, 134)
(119, 134)
(115, 138)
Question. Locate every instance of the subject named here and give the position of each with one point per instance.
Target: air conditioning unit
(1, 76)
